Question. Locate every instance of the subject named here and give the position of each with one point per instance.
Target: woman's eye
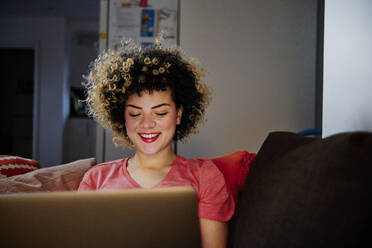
(133, 115)
(162, 114)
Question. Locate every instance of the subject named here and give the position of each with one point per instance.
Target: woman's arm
(213, 233)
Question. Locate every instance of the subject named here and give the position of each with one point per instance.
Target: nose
(148, 121)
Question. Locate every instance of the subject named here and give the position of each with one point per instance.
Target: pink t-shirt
(215, 200)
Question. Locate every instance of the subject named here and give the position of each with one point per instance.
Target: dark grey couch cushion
(307, 192)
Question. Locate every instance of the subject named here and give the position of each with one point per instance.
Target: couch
(299, 192)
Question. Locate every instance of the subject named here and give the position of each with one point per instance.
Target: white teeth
(148, 136)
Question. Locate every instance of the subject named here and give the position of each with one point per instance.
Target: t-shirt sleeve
(87, 184)
(215, 199)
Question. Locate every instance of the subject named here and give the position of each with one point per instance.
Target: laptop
(130, 218)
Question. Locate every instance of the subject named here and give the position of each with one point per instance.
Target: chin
(152, 149)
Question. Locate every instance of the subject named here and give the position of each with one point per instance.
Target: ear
(179, 115)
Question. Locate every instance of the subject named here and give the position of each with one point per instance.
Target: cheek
(130, 125)
(170, 124)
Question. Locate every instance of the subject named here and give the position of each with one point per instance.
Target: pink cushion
(56, 178)
(235, 167)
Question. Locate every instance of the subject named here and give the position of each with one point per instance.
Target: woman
(150, 97)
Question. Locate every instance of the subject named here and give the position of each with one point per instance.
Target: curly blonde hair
(117, 74)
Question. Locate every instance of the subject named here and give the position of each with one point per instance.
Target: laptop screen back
(130, 218)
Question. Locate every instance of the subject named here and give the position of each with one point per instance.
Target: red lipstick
(149, 137)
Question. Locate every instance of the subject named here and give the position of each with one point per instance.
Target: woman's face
(151, 120)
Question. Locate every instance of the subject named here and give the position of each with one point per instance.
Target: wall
(347, 89)
(47, 35)
(80, 133)
(261, 62)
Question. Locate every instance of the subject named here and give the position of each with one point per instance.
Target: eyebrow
(157, 106)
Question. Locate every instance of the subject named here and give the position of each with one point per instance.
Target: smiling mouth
(149, 137)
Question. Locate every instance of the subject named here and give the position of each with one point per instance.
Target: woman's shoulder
(203, 164)
(107, 166)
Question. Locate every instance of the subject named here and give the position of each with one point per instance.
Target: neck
(159, 160)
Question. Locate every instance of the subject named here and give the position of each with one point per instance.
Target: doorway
(16, 101)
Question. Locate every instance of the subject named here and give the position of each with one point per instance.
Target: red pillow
(13, 165)
(235, 167)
